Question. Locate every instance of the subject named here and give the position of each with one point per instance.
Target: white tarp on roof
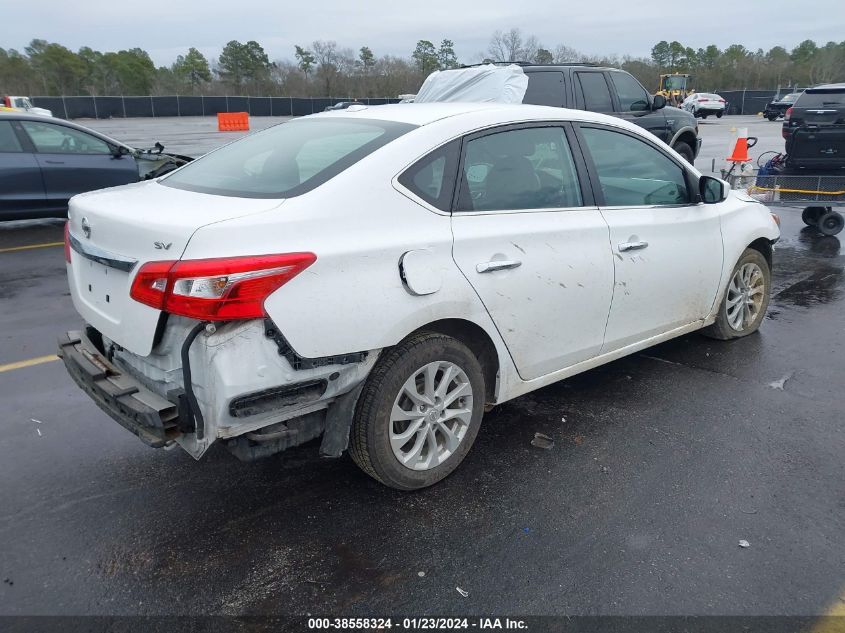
(487, 84)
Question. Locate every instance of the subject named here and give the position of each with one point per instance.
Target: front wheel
(831, 223)
(746, 299)
(419, 412)
(685, 151)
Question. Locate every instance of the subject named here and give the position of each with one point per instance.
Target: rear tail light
(721, 101)
(216, 289)
(787, 115)
(702, 100)
(67, 241)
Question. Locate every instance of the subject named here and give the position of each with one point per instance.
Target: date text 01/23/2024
(415, 624)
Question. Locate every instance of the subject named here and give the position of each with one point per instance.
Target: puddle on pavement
(823, 285)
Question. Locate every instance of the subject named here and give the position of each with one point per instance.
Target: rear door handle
(55, 162)
(503, 264)
(632, 246)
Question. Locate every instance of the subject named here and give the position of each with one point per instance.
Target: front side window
(286, 160)
(432, 178)
(49, 138)
(8, 141)
(632, 172)
(595, 92)
(528, 168)
(632, 96)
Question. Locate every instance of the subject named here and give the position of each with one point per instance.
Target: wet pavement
(662, 462)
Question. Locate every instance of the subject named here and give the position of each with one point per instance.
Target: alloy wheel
(746, 294)
(431, 415)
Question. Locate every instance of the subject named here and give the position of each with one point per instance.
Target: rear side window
(821, 99)
(8, 141)
(286, 160)
(527, 168)
(432, 178)
(632, 96)
(634, 173)
(595, 92)
(544, 88)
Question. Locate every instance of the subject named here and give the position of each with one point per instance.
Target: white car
(703, 104)
(382, 275)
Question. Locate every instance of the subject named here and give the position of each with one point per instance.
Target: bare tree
(506, 47)
(564, 54)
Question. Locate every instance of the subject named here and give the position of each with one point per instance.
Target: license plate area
(103, 287)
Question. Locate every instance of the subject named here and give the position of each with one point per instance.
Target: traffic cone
(740, 152)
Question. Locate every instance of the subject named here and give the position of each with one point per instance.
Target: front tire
(419, 412)
(746, 299)
(685, 151)
(831, 223)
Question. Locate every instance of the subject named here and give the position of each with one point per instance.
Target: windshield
(819, 98)
(675, 83)
(286, 160)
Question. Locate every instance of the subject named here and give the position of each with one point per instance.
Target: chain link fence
(84, 107)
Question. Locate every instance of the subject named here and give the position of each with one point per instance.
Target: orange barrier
(233, 121)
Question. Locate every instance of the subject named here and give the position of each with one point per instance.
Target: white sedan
(703, 104)
(380, 276)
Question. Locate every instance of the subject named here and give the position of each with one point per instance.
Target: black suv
(616, 92)
(814, 129)
(778, 106)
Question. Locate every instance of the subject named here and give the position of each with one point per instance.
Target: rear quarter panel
(353, 297)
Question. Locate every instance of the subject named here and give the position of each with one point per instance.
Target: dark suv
(814, 129)
(616, 92)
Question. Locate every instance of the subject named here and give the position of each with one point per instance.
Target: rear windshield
(286, 160)
(820, 98)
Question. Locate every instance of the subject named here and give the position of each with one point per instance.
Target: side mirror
(712, 190)
(658, 102)
(119, 151)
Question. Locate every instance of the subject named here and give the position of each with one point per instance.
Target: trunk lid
(113, 232)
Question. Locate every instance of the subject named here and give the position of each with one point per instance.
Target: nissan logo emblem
(86, 228)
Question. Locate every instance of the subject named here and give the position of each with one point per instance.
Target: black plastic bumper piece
(146, 414)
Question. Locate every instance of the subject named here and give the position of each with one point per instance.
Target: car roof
(23, 116)
(425, 113)
(826, 88)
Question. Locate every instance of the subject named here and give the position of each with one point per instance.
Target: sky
(602, 27)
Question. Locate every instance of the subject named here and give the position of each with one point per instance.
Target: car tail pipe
(193, 405)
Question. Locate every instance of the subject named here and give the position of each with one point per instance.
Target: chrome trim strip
(106, 258)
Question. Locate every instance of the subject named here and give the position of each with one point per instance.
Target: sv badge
(162, 246)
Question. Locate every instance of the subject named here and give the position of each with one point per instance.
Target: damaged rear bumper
(149, 416)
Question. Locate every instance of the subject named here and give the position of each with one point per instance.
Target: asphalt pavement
(662, 463)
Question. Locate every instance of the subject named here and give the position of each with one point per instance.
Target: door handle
(55, 162)
(504, 264)
(632, 246)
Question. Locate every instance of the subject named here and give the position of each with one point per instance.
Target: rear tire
(810, 216)
(685, 151)
(746, 299)
(406, 432)
(719, 115)
(831, 223)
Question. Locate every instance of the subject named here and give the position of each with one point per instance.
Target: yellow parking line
(834, 620)
(31, 246)
(28, 363)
